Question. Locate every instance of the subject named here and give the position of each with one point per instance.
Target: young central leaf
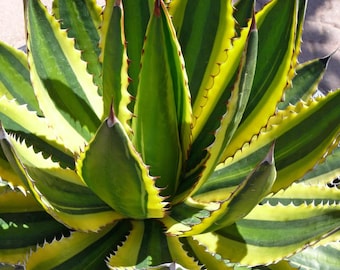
(161, 127)
(113, 169)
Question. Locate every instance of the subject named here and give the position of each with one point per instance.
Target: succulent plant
(182, 134)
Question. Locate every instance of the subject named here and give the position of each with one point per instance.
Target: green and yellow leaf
(275, 232)
(111, 167)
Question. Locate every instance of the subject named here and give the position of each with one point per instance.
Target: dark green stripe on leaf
(274, 40)
(154, 242)
(137, 14)
(281, 233)
(197, 39)
(113, 169)
(290, 141)
(65, 196)
(113, 57)
(57, 76)
(25, 229)
(305, 82)
(82, 19)
(93, 256)
(14, 75)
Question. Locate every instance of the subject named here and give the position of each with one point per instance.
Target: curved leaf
(64, 89)
(271, 78)
(294, 155)
(111, 167)
(23, 225)
(18, 119)
(325, 172)
(232, 115)
(305, 82)
(43, 175)
(275, 232)
(162, 89)
(190, 218)
(80, 250)
(312, 258)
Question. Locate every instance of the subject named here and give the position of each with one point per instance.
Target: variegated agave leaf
(177, 134)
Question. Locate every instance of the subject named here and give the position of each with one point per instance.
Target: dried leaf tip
(270, 156)
(325, 60)
(118, 3)
(157, 10)
(111, 120)
(253, 26)
(2, 132)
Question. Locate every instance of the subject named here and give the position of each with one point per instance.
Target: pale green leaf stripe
(66, 197)
(82, 19)
(84, 250)
(312, 258)
(227, 177)
(325, 172)
(15, 79)
(275, 232)
(305, 82)
(305, 194)
(290, 224)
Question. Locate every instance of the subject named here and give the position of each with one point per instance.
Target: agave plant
(180, 135)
